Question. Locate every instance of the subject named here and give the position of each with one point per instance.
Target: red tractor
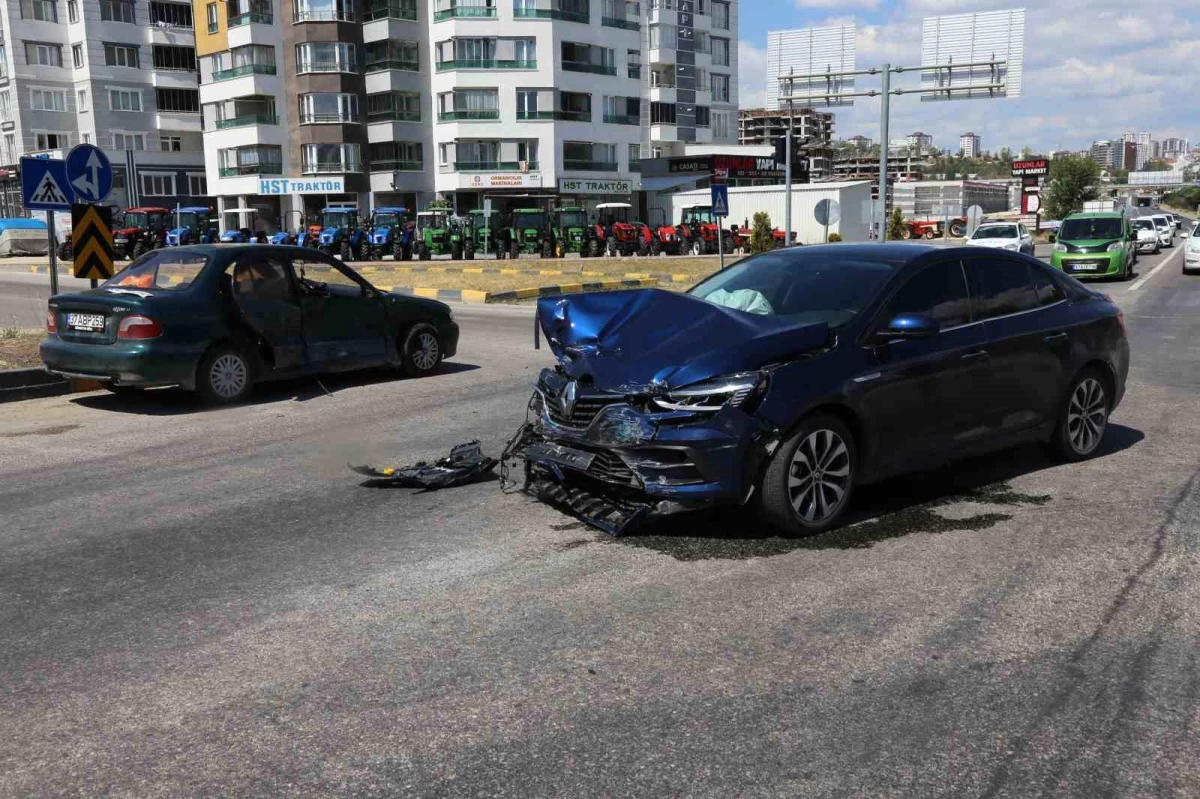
(742, 240)
(616, 234)
(699, 232)
(141, 230)
(932, 228)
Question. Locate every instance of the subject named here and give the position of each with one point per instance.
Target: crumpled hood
(631, 339)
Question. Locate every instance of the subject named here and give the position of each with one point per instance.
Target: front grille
(585, 410)
(609, 467)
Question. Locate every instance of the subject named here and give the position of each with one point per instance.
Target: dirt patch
(19, 348)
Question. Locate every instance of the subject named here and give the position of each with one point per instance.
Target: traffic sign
(827, 212)
(720, 200)
(89, 173)
(92, 241)
(44, 185)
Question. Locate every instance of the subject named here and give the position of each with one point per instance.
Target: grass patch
(19, 348)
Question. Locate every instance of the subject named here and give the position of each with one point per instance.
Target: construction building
(814, 128)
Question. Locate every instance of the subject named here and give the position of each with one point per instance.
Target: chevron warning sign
(92, 241)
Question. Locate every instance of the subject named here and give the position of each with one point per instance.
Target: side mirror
(1133, 235)
(909, 326)
(1052, 238)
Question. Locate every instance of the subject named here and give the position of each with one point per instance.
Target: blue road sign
(44, 185)
(90, 173)
(720, 199)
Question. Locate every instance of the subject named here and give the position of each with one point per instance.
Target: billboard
(810, 52)
(971, 40)
(1156, 178)
(1030, 167)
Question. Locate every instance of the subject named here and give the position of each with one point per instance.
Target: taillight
(138, 327)
(51, 321)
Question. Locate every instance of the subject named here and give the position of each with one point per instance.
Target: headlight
(734, 391)
(1060, 247)
(1115, 246)
(1012, 246)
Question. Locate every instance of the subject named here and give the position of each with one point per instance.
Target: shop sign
(501, 180)
(594, 186)
(275, 186)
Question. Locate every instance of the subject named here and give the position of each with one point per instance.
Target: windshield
(702, 215)
(1143, 224)
(826, 287)
(568, 219)
(136, 219)
(478, 223)
(159, 269)
(191, 219)
(1160, 221)
(387, 220)
(528, 220)
(339, 219)
(431, 221)
(996, 232)
(1090, 228)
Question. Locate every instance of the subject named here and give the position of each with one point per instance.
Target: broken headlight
(735, 391)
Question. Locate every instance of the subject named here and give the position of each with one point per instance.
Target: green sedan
(215, 319)
(1096, 245)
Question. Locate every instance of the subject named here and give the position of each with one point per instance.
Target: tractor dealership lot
(201, 602)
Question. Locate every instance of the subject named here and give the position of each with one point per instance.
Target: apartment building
(120, 74)
(970, 145)
(396, 102)
(761, 126)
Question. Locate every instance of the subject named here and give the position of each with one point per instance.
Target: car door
(922, 399)
(264, 296)
(1024, 317)
(345, 321)
(1026, 238)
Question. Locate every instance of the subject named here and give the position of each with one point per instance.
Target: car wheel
(1084, 417)
(420, 350)
(807, 485)
(225, 376)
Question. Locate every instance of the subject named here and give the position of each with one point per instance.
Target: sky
(1093, 69)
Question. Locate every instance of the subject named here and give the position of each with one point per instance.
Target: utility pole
(885, 106)
(787, 180)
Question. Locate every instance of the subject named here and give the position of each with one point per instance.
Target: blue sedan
(794, 376)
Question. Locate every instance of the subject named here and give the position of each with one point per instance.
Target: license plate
(1089, 266)
(86, 322)
(563, 456)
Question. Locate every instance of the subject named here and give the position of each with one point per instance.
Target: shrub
(760, 233)
(834, 238)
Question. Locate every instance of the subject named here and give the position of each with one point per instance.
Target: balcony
(552, 13)
(327, 119)
(589, 166)
(326, 16)
(251, 18)
(247, 120)
(402, 64)
(393, 116)
(392, 165)
(326, 66)
(246, 69)
(621, 119)
(404, 11)
(250, 169)
(561, 116)
(624, 24)
(330, 167)
(183, 121)
(464, 12)
(469, 116)
(495, 166)
(448, 66)
(594, 69)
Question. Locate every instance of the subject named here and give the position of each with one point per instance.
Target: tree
(1073, 181)
(1157, 166)
(760, 234)
(895, 230)
(1006, 155)
(1026, 152)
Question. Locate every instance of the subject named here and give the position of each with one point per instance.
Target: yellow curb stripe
(469, 295)
(419, 291)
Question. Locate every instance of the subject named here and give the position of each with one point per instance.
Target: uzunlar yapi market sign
(1030, 167)
(725, 166)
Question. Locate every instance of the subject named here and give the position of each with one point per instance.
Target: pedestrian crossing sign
(44, 185)
(720, 200)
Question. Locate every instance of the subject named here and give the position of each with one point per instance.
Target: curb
(35, 382)
(568, 288)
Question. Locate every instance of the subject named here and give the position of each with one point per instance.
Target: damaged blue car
(793, 376)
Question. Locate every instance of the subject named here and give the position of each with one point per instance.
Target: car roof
(1097, 215)
(150, 209)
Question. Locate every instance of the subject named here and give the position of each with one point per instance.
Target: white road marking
(1137, 284)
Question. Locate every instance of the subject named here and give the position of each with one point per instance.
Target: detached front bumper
(1085, 265)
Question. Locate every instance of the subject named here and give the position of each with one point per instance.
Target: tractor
(530, 233)
(700, 234)
(341, 233)
(193, 226)
(391, 234)
(571, 232)
(243, 230)
(439, 233)
(141, 230)
(487, 235)
(616, 234)
(665, 238)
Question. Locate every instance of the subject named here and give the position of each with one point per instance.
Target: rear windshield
(162, 270)
(1090, 228)
(1143, 224)
(996, 232)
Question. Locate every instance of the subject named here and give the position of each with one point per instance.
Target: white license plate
(1086, 267)
(86, 322)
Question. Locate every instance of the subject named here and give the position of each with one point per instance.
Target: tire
(547, 249)
(225, 376)
(420, 350)
(697, 248)
(957, 229)
(906, 233)
(1083, 419)
(790, 497)
(929, 234)
(514, 252)
(425, 254)
(456, 253)
(345, 252)
(139, 249)
(469, 253)
(596, 248)
(406, 253)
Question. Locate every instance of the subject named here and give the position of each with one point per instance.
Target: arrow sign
(90, 173)
(92, 241)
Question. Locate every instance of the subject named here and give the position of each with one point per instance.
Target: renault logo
(567, 400)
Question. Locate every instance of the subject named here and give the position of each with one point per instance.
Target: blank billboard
(807, 52)
(970, 39)
(1156, 178)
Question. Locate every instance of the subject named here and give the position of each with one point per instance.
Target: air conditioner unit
(524, 166)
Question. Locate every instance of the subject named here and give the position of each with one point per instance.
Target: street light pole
(787, 180)
(885, 103)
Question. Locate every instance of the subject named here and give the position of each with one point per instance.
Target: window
(5, 109)
(43, 55)
(589, 155)
(720, 51)
(402, 54)
(175, 15)
(159, 184)
(635, 155)
(443, 154)
(662, 113)
(721, 124)
(73, 11)
(319, 159)
(210, 12)
(52, 141)
(179, 101)
(1045, 288)
(263, 278)
(77, 55)
(323, 272)
(938, 291)
(42, 10)
(87, 138)
(326, 57)
(324, 10)
(121, 55)
(402, 106)
(720, 88)
(197, 185)
(3, 61)
(720, 15)
(1001, 287)
(10, 148)
(527, 103)
(663, 36)
(633, 62)
(169, 143)
(177, 59)
(703, 117)
(124, 100)
(525, 51)
(328, 107)
(116, 11)
(129, 141)
(47, 100)
(82, 101)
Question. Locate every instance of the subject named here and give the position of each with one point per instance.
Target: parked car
(1003, 235)
(1149, 237)
(1166, 233)
(215, 319)
(1095, 244)
(796, 375)
(1191, 254)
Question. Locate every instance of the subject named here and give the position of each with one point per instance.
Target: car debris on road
(466, 463)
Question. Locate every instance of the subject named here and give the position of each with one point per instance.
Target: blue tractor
(341, 233)
(194, 226)
(391, 234)
(242, 230)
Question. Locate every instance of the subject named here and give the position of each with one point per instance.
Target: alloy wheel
(1087, 416)
(425, 352)
(228, 376)
(819, 476)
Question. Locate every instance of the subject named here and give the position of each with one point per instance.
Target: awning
(670, 181)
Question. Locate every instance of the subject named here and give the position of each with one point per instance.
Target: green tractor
(571, 231)
(440, 233)
(487, 234)
(530, 233)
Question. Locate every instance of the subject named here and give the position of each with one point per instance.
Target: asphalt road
(209, 603)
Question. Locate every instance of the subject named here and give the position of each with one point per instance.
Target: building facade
(1174, 146)
(969, 145)
(760, 126)
(119, 74)
(314, 102)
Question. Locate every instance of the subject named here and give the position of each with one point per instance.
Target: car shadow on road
(173, 401)
(891, 509)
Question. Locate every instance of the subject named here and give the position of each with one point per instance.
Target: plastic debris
(465, 464)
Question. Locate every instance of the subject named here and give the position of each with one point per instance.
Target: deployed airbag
(747, 300)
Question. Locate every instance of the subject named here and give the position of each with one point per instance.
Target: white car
(1003, 235)
(1166, 223)
(1149, 237)
(1191, 255)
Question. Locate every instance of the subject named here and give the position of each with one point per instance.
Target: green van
(1096, 244)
